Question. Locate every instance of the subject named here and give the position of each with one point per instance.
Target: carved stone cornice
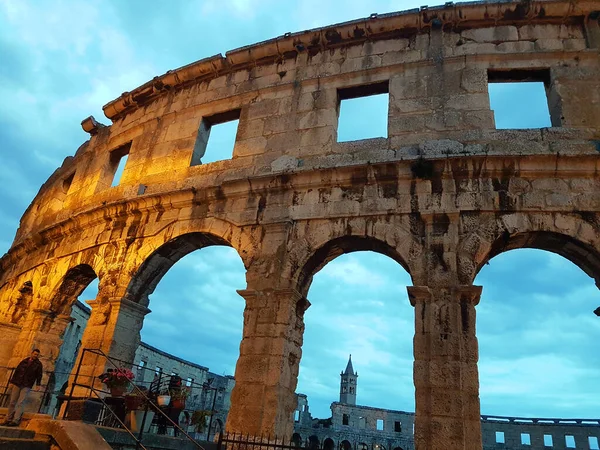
(459, 294)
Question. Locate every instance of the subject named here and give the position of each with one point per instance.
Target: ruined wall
(442, 194)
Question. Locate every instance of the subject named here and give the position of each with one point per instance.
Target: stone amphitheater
(441, 195)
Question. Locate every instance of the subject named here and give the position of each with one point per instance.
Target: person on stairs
(27, 373)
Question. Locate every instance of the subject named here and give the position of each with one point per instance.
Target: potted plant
(137, 406)
(178, 396)
(198, 420)
(117, 381)
(163, 398)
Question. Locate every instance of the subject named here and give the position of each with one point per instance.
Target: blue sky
(61, 61)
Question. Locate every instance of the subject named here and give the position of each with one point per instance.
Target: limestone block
(250, 146)
(401, 57)
(278, 124)
(534, 32)
(317, 136)
(574, 44)
(320, 99)
(515, 47)
(441, 147)
(360, 63)
(475, 101)
(406, 123)
(284, 163)
(261, 109)
(549, 44)
(317, 118)
(474, 48)
(474, 80)
(392, 45)
(250, 128)
(492, 34)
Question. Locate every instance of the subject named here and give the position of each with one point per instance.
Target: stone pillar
(445, 368)
(114, 327)
(9, 335)
(263, 398)
(42, 329)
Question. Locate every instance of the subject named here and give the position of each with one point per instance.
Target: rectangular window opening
(296, 416)
(569, 441)
(548, 440)
(499, 437)
(593, 443)
(345, 419)
(216, 137)
(189, 381)
(397, 427)
(520, 99)
(363, 112)
(379, 424)
(118, 160)
(525, 439)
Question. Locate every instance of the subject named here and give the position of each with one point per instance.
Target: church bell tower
(348, 384)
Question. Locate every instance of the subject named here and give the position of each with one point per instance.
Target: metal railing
(99, 394)
(235, 441)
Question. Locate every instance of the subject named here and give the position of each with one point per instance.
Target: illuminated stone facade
(441, 195)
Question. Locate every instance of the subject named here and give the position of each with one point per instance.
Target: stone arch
(575, 237)
(71, 286)
(345, 445)
(398, 448)
(313, 442)
(338, 246)
(583, 255)
(296, 440)
(23, 300)
(158, 263)
(328, 444)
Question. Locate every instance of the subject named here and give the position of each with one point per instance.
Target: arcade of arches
(443, 194)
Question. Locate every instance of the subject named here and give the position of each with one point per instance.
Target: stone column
(114, 327)
(263, 399)
(9, 335)
(445, 368)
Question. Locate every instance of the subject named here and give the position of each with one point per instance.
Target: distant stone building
(207, 388)
(355, 427)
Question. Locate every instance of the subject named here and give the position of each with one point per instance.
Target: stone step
(23, 444)
(16, 433)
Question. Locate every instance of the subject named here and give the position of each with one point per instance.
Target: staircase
(13, 438)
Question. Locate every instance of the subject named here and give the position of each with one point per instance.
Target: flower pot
(117, 391)
(163, 400)
(135, 420)
(178, 403)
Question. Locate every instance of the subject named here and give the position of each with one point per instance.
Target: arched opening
(69, 317)
(345, 445)
(194, 328)
(21, 303)
(328, 444)
(313, 442)
(359, 306)
(536, 329)
(296, 440)
(362, 446)
(398, 448)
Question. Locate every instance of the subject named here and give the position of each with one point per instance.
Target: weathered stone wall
(442, 194)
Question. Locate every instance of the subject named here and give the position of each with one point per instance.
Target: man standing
(28, 372)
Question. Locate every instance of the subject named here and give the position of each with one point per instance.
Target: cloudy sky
(61, 61)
